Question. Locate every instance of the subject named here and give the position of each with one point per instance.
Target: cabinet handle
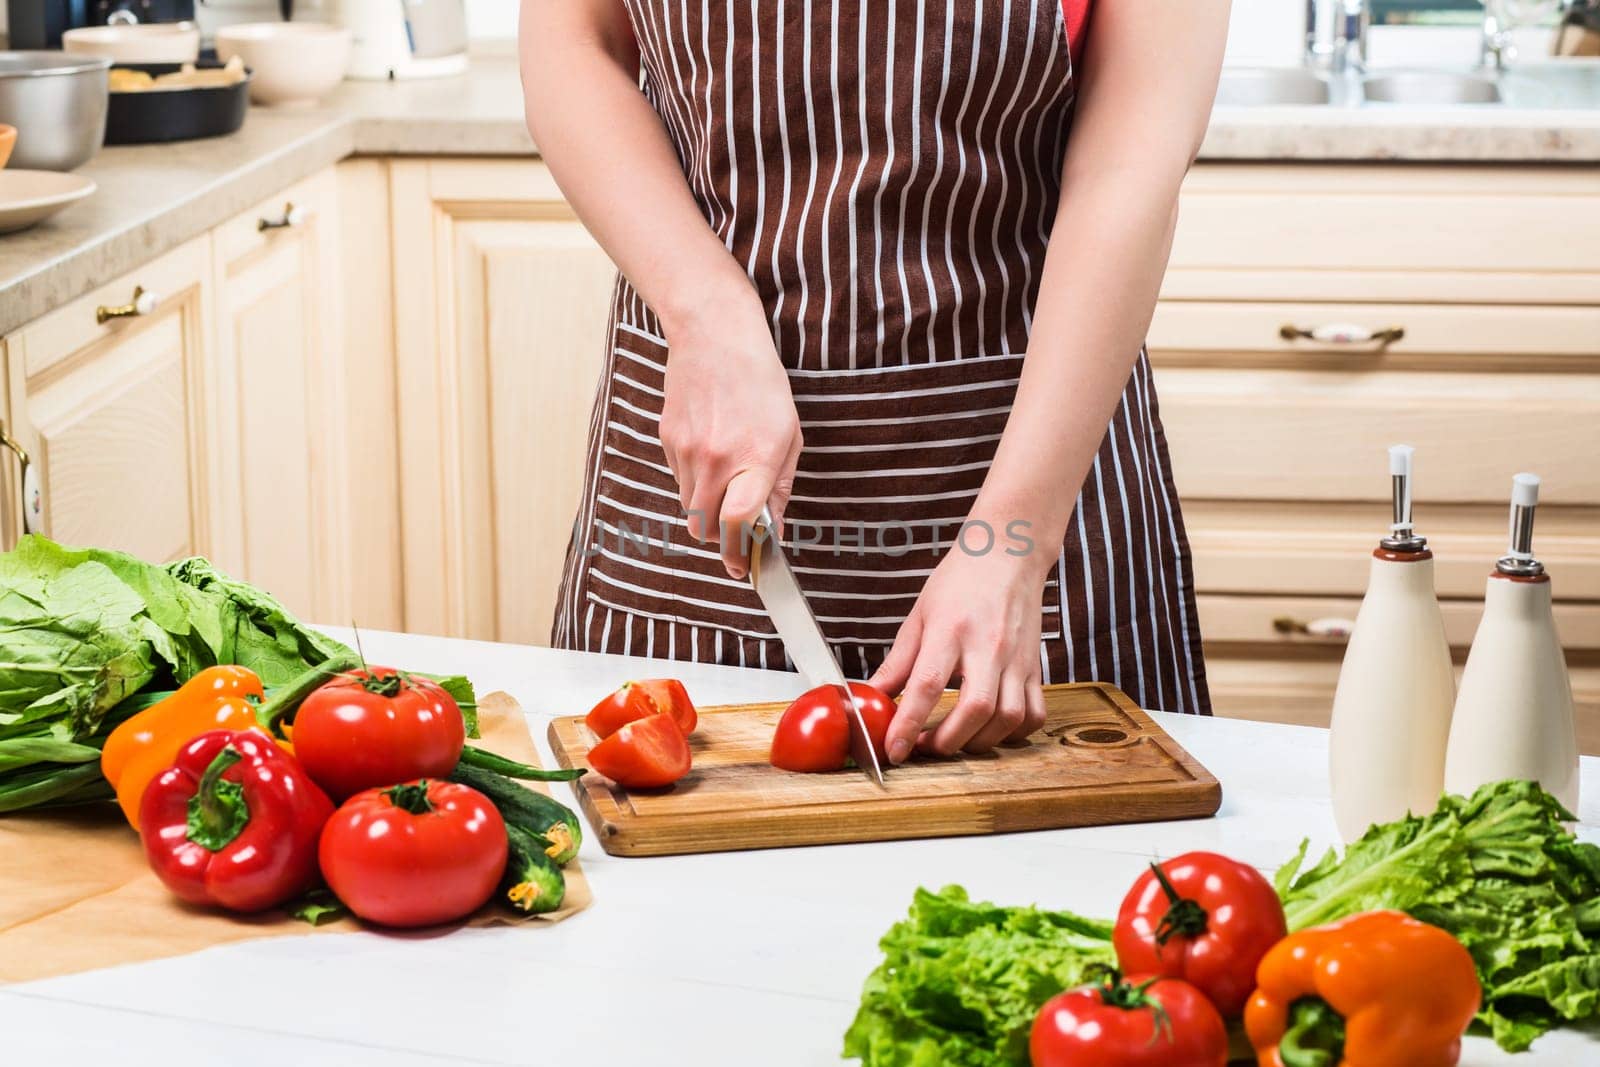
(1341, 333)
(32, 497)
(1286, 625)
(292, 216)
(143, 303)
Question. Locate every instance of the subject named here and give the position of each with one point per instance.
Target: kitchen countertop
(154, 197)
(722, 959)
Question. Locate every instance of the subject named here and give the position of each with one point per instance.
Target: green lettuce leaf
(960, 982)
(1501, 872)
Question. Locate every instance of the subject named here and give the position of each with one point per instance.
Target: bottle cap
(1524, 490)
(1400, 460)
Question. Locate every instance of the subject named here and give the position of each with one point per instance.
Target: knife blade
(775, 584)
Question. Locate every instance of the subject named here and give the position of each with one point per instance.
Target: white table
(737, 958)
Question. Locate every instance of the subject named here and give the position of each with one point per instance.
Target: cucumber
(533, 881)
(521, 806)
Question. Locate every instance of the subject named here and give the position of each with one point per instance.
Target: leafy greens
(89, 636)
(961, 982)
(1500, 872)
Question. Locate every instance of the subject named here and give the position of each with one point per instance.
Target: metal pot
(57, 103)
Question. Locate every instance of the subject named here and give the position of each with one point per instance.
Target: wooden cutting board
(1099, 759)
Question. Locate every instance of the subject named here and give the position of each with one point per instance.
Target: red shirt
(1077, 16)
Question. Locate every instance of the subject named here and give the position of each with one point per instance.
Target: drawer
(1324, 220)
(1282, 621)
(1311, 548)
(1430, 336)
(1300, 690)
(1321, 435)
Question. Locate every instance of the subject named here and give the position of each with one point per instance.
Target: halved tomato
(814, 732)
(638, 700)
(643, 754)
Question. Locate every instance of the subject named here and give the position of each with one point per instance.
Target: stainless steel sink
(1270, 86)
(1430, 89)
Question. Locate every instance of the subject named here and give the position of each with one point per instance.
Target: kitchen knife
(802, 637)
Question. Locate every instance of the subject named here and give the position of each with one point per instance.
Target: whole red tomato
(643, 754)
(1141, 1022)
(637, 700)
(376, 727)
(814, 732)
(416, 854)
(1203, 918)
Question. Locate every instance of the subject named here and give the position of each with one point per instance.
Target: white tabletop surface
(737, 958)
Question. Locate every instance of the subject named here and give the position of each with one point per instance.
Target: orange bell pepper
(218, 698)
(1374, 990)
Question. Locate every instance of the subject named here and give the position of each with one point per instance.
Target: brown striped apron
(887, 173)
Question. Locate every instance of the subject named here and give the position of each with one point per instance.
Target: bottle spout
(1518, 560)
(1402, 536)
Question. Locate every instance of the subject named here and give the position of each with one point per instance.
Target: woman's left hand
(977, 617)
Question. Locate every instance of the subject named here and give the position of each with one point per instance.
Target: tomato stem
(411, 797)
(1119, 993)
(1184, 917)
(384, 685)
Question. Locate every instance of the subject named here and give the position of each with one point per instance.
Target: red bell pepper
(234, 823)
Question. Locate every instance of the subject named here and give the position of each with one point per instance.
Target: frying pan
(176, 114)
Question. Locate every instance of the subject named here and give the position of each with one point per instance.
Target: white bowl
(148, 42)
(30, 196)
(292, 63)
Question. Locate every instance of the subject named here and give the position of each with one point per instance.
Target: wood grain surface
(1099, 759)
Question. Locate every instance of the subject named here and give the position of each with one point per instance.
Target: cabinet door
(501, 300)
(111, 411)
(278, 401)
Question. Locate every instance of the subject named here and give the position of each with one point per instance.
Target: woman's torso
(888, 175)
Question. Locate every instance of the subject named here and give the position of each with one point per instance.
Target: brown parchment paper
(76, 895)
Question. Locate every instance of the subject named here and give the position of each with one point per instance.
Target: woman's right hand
(728, 424)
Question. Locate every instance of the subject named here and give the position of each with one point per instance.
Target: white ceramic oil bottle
(1514, 718)
(1391, 710)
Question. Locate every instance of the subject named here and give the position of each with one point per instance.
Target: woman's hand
(977, 617)
(728, 423)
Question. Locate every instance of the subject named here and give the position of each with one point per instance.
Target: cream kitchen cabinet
(501, 300)
(108, 396)
(1480, 291)
(218, 401)
(277, 402)
(11, 456)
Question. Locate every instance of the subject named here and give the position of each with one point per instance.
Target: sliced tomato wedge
(644, 754)
(639, 700)
(673, 699)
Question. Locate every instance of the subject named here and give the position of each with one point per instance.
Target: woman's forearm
(1142, 110)
(608, 151)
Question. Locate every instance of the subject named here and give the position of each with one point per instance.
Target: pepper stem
(217, 811)
(1184, 917)
(1315, 1037)
(286, 701)
(411, 797)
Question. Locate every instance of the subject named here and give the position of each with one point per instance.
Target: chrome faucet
(1336, 35)
(1498, 45)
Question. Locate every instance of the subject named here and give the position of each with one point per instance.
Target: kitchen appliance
(780, 594)
(155, 115)
(403, 38)
(1391, 708)
(33, 24)
(1098, 759)
(1514, 716)
(57, 103)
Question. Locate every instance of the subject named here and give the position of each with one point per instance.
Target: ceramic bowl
(149, 42)
(293, 64)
